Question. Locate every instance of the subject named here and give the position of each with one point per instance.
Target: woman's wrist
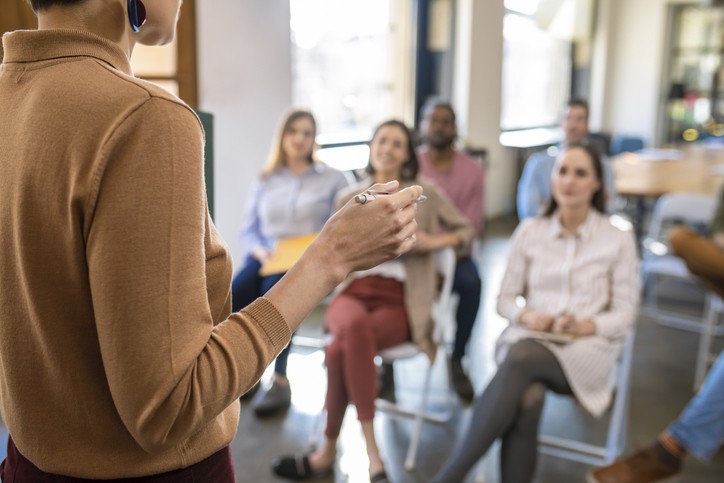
(332, 268)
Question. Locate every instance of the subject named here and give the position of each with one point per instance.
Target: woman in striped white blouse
(578, 275)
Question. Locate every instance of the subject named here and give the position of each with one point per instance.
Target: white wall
(244, 54)
(476, 96)
(635, 63)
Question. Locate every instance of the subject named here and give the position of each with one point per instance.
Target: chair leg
(618, 426)
(480, 472)
(419, 419)
(702, 360)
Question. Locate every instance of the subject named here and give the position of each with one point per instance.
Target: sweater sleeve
(170, 369)
(450, 217)
(621, 313)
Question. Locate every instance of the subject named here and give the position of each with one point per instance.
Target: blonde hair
(277, 157)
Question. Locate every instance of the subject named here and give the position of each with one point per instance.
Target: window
(349, 69)
(695, 104)
(172, 66)
(536, 66)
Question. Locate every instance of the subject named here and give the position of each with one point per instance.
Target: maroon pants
(217, 468)
(367, 317)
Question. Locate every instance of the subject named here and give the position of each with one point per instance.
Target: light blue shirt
(534, 187)
(284, 205)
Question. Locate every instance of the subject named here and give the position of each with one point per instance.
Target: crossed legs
(367, 317)
(509, 408)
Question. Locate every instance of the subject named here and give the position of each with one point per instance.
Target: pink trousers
(367, 317)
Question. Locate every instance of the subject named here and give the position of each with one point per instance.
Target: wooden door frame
(17, 14)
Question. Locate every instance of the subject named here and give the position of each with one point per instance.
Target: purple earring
(136, 14)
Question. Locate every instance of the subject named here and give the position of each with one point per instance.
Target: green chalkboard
(207, 120)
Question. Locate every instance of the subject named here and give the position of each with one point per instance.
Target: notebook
(549, 336)
(286, 254)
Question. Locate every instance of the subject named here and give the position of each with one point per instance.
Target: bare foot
(323, 457)
(376, 466)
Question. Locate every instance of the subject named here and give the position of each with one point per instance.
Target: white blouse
(593, 274)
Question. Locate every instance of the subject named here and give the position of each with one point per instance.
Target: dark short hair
(409, 170)
(598, 200)
(578, 102)
(432, 104)
(39, 5)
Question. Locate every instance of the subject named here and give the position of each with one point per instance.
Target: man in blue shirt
(534, 187)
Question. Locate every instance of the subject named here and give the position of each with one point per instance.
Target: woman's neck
(298, 165)
(441, 159)
(572, 218)
(380, 177)
(107, 20)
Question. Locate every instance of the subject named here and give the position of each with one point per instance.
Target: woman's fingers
(363, 235)
(389, 187)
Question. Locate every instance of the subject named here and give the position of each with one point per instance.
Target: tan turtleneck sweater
(118, 353)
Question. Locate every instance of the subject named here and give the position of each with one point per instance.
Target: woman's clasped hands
(565, 323)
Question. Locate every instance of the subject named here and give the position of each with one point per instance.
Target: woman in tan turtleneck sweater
(119, 354)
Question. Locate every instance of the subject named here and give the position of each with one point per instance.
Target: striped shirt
(285, 205)
(593, 274)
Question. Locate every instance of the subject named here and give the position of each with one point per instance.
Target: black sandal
(298, 468)
(379, 477)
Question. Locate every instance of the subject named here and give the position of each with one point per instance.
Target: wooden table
(652, 173)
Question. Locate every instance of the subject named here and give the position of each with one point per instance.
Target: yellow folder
(286, 254)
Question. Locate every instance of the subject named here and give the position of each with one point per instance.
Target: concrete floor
(662, 376)
(662, 379)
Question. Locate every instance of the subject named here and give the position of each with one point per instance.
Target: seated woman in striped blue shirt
(293, 197)
(578, 275)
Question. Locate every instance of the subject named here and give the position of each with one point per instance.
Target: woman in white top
(578, 275)
(380, 308)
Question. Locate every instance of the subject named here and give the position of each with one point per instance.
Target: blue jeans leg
(700, 428)
(246, 285)
(468, 286)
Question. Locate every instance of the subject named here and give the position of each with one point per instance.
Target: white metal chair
(443, 316)
(587, 453)
(446, 261)
(711, 328)
(659, 264)
(617, 426)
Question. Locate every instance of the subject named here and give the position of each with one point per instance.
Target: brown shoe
(249, 395)
(386, 382)
(461, 381)
(644, 466)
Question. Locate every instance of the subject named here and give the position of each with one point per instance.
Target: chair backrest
(446, 262)
(693, 210)
(590, 454)
(442, 313)
(622, 143)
